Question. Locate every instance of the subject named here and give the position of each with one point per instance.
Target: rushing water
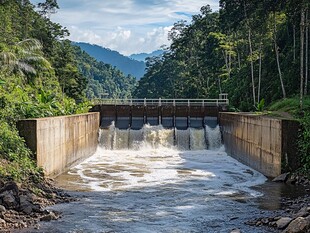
(158, 185)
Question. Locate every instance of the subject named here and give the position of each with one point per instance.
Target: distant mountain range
(143, 56)
(133, 65)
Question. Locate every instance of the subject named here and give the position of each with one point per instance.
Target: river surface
(159, 190)
(155, 187)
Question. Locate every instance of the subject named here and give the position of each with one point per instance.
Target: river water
(146, 182)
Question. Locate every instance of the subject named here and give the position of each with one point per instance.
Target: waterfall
(182, 139)
(135, 139)
(106, 137)
(197, 139)
(121, 137)
(214, 138)
(158, 136)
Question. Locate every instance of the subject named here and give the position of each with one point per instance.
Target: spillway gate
(170, 113)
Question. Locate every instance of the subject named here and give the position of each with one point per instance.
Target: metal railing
(222, 101)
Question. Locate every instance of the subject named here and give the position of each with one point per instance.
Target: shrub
(304, 142)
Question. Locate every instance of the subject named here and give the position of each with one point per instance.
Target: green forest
(42, 74)
(253, 50)
(256, 51)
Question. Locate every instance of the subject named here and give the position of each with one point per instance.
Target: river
(155, 186)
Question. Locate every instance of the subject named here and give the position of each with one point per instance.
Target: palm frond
(23, 66)
(7, 59)
(29, 45)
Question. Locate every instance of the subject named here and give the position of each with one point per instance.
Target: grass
(290, 106)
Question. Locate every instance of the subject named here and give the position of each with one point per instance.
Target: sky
(127, 26)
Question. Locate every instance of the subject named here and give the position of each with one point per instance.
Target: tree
(48, 7)
(23, 57)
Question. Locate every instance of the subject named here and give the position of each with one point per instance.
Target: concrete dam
(187, 124)
(263, 143)
(170, 113)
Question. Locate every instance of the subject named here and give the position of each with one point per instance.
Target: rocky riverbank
(23, 205)
(295, 215)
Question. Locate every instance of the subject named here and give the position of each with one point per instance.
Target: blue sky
(127, 26)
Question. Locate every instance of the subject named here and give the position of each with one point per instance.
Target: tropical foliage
(252, 50)
(257, 51)
(41, 75)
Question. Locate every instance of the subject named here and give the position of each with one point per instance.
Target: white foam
(217, 173)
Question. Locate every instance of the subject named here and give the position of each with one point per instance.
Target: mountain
(127, 65)
(104, 80)
(143, 56)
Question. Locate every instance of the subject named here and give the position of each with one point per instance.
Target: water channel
(163, 180)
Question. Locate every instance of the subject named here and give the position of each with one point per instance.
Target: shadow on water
(274, 193)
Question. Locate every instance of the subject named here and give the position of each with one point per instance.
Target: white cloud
(128, 26)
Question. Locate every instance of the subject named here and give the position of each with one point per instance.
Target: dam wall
(269, 145)
(61, 142)
(169, 116)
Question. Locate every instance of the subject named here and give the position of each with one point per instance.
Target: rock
(303, 212)
(298, 225)
(251, 223)
(265, 221)
(25, 205)
(2, 209)
(8, 200)
(236, 231)
(2, 221)
(49, 217)
(281, 178)
(283, 222)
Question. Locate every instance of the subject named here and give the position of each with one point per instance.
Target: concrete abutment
(269, 145)
(61, 142)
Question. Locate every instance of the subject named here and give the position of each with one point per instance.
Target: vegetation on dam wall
(304, 143)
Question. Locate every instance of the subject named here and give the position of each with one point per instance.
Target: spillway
(158, 136)
(156, 179)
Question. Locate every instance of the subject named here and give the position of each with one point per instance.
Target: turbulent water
(159, 186)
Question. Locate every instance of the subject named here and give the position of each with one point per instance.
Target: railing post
(188, 104)
(159, 102)
(144, 101)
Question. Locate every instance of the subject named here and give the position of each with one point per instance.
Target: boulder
(2, 209)
(9, 195)
(49, 217)
(283, 222)
(298, 225)
(303, 212)
(281, 178)
(236, 231)
(8, 200)
(27, 206)
(2, 221)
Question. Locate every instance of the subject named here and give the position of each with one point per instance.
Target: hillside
(127, 65)
(104, 80)
(43, 75)
(143, 56)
